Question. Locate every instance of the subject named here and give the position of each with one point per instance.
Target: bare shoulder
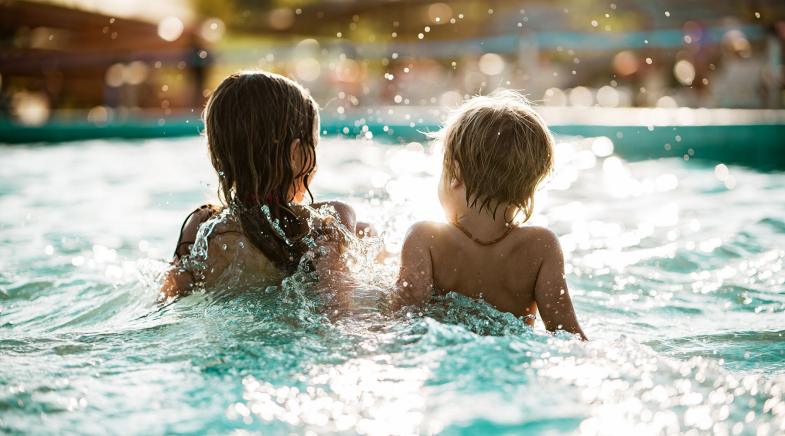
(424, 230)
(344, 211)
(178, 279)
(194, 220)
(191, 227)
(542, 239)
(543, 235)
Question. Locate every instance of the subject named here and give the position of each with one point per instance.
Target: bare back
(213, 250)
(520, 274)
(503, 274)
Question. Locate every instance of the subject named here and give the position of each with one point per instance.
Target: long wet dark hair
(251, 121)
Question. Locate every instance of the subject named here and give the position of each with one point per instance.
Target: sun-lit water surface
(676, 270)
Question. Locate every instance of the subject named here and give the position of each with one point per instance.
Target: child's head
(497, 149)
(262, 131)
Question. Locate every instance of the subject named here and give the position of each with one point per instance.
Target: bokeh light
(281, 18)
(554, 97)
(99, 115)
(115, 75)
(451, 99)
(491, 64)
(684, 72)
(602, 146)
(667, 102)
(212, 29)
(439, 13)
(170, 28)
(135, 73)
(308, 69)
(581, 96)
(31, 108)
(607, 96)
(625, 63)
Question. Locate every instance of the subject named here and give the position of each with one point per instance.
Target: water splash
(683, 304)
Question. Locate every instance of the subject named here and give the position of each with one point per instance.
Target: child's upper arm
(344, 211)
(178, 280)
(550, 290)
(415, 279)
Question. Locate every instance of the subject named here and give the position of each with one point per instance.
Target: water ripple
(678, 280)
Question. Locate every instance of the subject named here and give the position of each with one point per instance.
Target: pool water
(677, 271)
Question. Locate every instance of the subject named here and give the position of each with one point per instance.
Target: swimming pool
(677, 270)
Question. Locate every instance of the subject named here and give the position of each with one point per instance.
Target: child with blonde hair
(497, 149)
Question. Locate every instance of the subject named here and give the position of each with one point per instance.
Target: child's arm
(179, 281)
(415, 279)
(347, 217)
(329, 266)
(550, 290)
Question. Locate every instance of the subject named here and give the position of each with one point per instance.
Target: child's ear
(456, 181)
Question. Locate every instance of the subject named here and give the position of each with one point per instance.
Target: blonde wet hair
(500, 148)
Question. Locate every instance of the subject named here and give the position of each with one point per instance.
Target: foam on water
(677, 276)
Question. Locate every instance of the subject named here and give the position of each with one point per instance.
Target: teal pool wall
(760, 146)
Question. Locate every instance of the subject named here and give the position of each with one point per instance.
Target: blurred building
(624, 53)
(56, 58)
(363, 55)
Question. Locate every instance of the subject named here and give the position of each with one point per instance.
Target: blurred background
(72, 69)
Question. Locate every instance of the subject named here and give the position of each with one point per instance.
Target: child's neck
(482, 223)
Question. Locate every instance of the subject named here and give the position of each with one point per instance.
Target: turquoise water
(677, 270)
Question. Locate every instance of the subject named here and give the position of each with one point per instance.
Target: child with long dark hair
(262, 133)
